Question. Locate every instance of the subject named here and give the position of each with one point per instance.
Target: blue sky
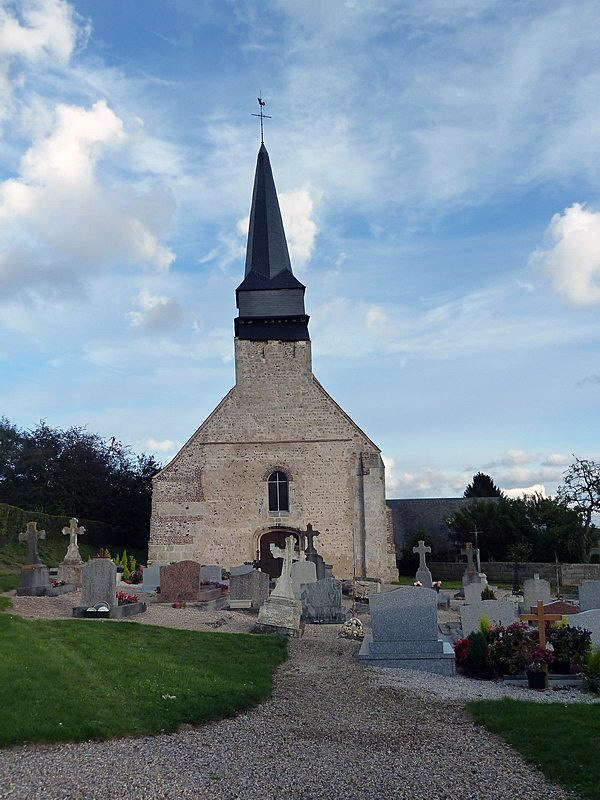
(438, 168)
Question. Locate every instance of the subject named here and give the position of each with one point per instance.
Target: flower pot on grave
(537, 680)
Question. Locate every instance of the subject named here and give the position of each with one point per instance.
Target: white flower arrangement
(352, 629)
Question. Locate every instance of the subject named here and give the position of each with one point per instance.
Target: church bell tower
(270, 299)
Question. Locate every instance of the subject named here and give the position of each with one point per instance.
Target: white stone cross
(283, 586)
(73, 531)
(469, 551)
(421, 549)
(31, 536)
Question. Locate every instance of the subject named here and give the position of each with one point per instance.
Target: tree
(482, 486)
(580, 490)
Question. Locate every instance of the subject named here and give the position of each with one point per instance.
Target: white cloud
(63, 217)
(162, 446)
(527, 491)
(48, 30)
(157, 312)
(511, 458)
(573, 261)
(557, 460)
(377, 322)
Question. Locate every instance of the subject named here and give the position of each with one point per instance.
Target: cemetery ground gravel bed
(329, 728)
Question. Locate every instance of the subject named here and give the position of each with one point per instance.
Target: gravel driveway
(331, 729)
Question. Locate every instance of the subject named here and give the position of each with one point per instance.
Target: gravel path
(331, 727)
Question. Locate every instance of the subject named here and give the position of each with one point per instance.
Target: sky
(438, 168)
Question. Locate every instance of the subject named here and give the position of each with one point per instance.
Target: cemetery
(514, 650)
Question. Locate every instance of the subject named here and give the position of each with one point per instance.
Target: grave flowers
(123, 598)
(539, 657)
(571, 646)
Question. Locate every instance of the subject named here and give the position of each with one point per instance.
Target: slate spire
(270, 299)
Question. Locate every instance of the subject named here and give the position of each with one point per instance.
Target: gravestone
(252, 586)
(472, 592)
(423, 573)
(405, 633)
(241, 569)
(589, 595)
(150, 578)
(590, 620)
(69, 569)
(211, 573)
(499, 612)
(472, 573)
(311, 553)
(322, 601)
(99, 578)
(281, 612)
(179, 582)
(302, 572)
(535, 589)
(35, 576)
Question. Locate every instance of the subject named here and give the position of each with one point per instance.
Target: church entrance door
(277, 537)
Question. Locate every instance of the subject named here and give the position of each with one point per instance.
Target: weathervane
(261, 104)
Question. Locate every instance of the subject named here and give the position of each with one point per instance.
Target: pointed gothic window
(278, 492)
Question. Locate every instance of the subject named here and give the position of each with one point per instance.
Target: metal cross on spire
(261, 105)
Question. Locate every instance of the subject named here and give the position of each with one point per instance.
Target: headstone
(311, 553)
(70, 568)
(405, 633)
(472, 592)
(561, 607)
(472, 573)
(281, 612)
(253, 586)
(535, 589)
(179, 582)
(99, 578)
(211, 573)
(302, 572)
(241, 569)
(589, 595)
(150, 578)
(322, 601)
(590, 621)
(499, 612)
(35, 576)
(423, 573)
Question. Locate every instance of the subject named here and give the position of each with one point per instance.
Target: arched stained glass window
(278, 492)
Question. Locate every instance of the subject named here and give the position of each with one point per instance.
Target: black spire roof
(270, 299)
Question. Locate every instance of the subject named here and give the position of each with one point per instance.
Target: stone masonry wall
(571, 574)
(210, 503)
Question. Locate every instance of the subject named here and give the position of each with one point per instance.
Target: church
(277, 453)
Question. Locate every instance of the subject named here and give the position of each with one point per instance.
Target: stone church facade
(278, 452)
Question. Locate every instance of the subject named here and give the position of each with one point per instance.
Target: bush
(488, 594)
(508, 650)
(570, 644)
(591, 670)
(477, 652)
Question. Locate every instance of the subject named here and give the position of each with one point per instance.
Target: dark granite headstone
(179, 582)
(35, 576)
(252, 586)
(322, 601)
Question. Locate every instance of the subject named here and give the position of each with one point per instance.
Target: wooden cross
(31, 536)
(541, 618)
(421, 549)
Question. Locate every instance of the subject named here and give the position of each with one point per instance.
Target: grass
(52, 551)
(408, 580)
(562, 740)
(5, 603)
(90, 679)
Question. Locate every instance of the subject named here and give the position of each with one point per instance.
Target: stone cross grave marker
(283, 586)
(469, 552)
(73, 531)
(423, 573)
(31, 536)
(311, 553)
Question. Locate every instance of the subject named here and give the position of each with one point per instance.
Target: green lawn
(51, 550)
(562, 740)
(84, 679)
(408, 580)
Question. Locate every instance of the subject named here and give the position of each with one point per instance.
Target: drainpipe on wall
(361, 566)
